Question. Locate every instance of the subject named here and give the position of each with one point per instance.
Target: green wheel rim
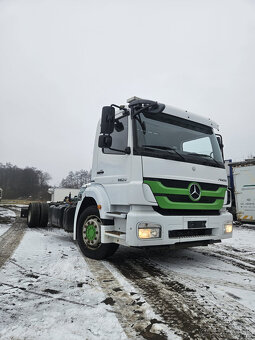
(91, 232)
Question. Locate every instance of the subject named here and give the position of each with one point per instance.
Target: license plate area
(196, 224)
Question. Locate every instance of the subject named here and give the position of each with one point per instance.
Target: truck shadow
(156, 254)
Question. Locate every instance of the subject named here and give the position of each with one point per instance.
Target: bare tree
(23, 183)
(76, 179)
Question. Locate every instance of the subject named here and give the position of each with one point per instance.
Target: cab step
(117, 214)
(116, 234)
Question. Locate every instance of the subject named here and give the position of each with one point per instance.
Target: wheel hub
(91, 232)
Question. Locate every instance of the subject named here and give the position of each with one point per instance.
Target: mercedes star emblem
(195, 192)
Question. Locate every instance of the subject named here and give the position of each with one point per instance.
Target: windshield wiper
(166, 148)
(205, 155)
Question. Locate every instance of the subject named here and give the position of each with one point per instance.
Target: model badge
(194, 191)
(194, 168)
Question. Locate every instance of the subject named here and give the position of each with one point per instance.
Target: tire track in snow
(11, 239)
(130, 308)
(238, 255)
(174, 302)
(242, 317)
(235, 260)
(50, 297)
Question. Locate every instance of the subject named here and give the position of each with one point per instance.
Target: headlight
(228, 228)
(149, 230)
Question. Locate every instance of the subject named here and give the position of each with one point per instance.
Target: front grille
(183, 198)
(177, 195)
(174, 183)
(185, 212)
(189, 233)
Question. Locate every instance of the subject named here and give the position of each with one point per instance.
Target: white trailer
(244, 184)
(59, 194)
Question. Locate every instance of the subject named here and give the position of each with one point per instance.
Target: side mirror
(220, 141)
(107, 120)
(104, 141)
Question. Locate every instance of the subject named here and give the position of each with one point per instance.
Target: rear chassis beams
(59, 215)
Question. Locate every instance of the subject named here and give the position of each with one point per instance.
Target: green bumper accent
(164, 202)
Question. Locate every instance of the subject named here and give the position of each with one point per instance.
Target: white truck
(158, 179)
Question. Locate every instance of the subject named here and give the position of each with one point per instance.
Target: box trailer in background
(59, 194)
(244, 189)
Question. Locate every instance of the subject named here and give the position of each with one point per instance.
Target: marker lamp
(228, 228)
(149, 230)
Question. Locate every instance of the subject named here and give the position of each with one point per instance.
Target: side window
(119, 137)
(201, 145)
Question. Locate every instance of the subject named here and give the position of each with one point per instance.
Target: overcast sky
(61, 61)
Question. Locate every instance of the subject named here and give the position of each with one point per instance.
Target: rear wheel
(89, 236)
(33, 216)
(44, 209)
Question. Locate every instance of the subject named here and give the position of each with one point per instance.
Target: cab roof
(171, 110)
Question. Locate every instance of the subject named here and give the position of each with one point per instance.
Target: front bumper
(176, 229)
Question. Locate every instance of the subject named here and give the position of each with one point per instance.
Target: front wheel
(89, 236)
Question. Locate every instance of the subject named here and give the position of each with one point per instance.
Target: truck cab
(158, 178)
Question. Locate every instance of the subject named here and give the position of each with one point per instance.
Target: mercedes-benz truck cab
(158, 178)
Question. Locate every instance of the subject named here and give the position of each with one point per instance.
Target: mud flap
(24, 212)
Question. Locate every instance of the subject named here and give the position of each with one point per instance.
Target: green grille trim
(158, 188)
(165, 203)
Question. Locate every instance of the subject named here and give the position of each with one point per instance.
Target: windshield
(165, 136)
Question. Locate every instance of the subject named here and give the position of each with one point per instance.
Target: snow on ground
(48, 292)
(4, 228)
(6, 217)
(243, 238)
(6, 212)
(223, 275)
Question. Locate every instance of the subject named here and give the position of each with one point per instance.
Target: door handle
(100, 172)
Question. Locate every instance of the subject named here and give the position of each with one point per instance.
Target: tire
(50, 217)
(54, 215)
(33, 216)
(89, 236)
(44, 212)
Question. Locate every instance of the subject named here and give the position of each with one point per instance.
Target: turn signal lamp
(228, 228)
(149, 230)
